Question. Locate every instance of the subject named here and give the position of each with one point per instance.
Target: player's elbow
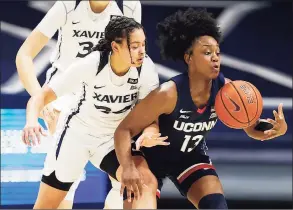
(18, 59)
(48, 95)
(122, 131)
(118, 135)
(20, 56)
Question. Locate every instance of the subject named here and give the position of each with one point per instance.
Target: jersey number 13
(195, 139)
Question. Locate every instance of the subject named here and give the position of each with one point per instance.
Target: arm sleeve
(80, 71)
(150, 79)
(53, 20)
(132, 9)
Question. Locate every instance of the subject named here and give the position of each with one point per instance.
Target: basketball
(238, 104)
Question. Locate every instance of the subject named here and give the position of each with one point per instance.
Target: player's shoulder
(131, 5)
(92, 60)
(68, 5)
(94, 57)
(168, 89)
(166, 95)
(132, 9)
(180, 79)
(148, 63)
(171, 87)
(148, 68)
(87, 65)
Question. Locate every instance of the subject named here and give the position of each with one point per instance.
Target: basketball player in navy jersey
(80, 26)
(184, 107)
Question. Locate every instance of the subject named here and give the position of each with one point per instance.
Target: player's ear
(114, 46)
(187, 58)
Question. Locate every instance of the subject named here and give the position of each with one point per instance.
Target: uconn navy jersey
(105, 98)
(187, 126)
(79, 28)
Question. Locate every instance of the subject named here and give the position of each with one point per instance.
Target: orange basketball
(238, 104)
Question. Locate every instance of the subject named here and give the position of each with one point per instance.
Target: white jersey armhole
(132, 9)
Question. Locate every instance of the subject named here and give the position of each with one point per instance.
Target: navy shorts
(183, 171)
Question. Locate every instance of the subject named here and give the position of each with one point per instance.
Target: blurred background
(257, 47)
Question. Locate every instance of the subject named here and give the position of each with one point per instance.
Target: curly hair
(177, 32)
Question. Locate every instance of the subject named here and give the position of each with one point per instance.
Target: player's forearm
(37, 102)
(153, 128)
(34, 107)
(122, 142)
(25, 68)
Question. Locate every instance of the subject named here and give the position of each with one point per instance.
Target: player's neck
(118, 67)
(198, 85)
(98, 6)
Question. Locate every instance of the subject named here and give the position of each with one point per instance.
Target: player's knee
(213, 201)
(149, 180)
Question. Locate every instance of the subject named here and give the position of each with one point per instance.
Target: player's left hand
(132, 181)
(50, 115)
(150, 140)
(279, 124)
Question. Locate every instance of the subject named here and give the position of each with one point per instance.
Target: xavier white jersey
(105, 98)
(80, 29)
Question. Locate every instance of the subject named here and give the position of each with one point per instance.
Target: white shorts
(64, 104)
(71, 193)
(74, 147)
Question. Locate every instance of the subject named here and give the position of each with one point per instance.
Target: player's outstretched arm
(150, 136)
(279, 127)
(161, 100)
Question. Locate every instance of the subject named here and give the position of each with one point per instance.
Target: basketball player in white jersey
(114, 77)
(80, 26)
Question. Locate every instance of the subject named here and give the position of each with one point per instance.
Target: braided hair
(118, 28)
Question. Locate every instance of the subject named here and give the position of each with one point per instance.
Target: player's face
(205, 58)
(135, 54)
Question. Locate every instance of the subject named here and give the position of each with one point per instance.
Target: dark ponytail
(104, 46)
